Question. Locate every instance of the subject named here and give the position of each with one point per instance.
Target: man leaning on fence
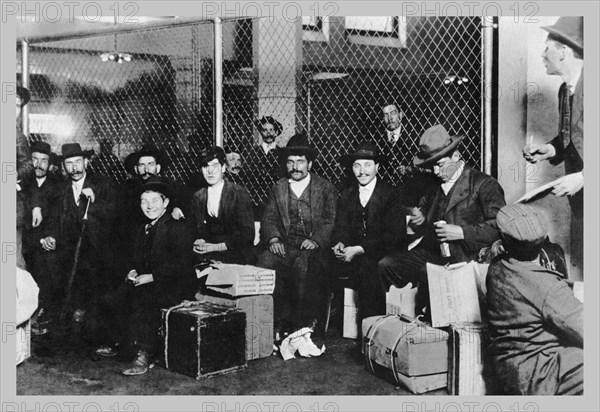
(296, 230)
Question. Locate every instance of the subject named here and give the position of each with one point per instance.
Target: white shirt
(394, 135)
(448, 185)
(40, 180)
(365, 192)
(77, 188)
(267, 147)
(298, 187)
(571, 85)
(214, 198)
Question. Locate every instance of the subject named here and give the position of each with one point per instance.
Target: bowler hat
(365, 150)
(435, 144)
(24, 95)
(147, 150)
(73, 150)
(157, 184)
(298, 146)
(269, 120)
(41, 147)
(569, 31)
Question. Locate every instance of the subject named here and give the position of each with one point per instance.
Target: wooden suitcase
(203, 339)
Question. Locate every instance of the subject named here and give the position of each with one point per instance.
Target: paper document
(538, 192)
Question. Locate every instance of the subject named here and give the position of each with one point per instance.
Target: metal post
(218, 82)
(25, 83)
(486, 95)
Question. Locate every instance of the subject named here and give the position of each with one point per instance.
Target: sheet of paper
(538, 192)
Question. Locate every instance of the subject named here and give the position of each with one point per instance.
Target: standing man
(370, 224)
(460, 213)
(94, 198)
(296, 229)
(563, 57)
(221, 214)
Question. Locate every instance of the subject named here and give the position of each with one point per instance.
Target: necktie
(566, 115)
(76, 193)
(147, 228)
(363, 195)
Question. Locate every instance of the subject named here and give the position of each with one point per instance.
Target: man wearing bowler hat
(296, 229)
(92, 198)
(456, 219)
(536, 322)
(370, 224)
(563, 57)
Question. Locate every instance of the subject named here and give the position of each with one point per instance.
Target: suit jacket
(385, 222)
(171, 258)
(474, 203)
(235, 212)
(276, 220)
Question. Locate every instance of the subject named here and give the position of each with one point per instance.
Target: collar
(153, 223)
(41, 180)
(574, 80)
(298, 187)
(79, 183)
(218, 188)
(448, 185)
(267, 147)
(369, 187)
(394, 134)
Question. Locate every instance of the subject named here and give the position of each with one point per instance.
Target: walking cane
(75, 263)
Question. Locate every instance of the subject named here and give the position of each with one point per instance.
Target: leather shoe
(106, 351)
(140, 364)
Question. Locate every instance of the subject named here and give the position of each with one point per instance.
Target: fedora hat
(269, 120)
(569, 31)
(24, 95)
(156, 184)
(41, 147)
(298, 146)
(73, 150)
(435, 144)
(365, 150)
(147, 150)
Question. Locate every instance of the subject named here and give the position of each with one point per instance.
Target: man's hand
(143, 279)
(131, 276)
(200, 246)
(177, 214)
(568, 185)
(536, 152)
(417, 218)
(448, 233)
(48, 243)
(276, 247)
(36, 214)
(89, 193)
(351, 251)
(338, 250)
(308, 245)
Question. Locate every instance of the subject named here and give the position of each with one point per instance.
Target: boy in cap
(536, 323)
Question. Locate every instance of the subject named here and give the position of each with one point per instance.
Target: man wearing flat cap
(536, 322)
(44, 188)
(563, 57)
(296, 229)
(92, 198)
(456, 219)
(370, 224)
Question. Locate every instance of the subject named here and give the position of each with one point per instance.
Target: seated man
(296, 229)
(459, 215)
(221, 214)
(370, 224)
(536, 323)
(160, 275)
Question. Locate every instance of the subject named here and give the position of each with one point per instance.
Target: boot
(140, 364)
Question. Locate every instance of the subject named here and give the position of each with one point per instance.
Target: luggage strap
(184, 304)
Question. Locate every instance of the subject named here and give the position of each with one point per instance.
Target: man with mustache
(44, 188)
(296, 229)
(370, 224)
(94, 197)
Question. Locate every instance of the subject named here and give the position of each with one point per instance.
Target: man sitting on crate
(159, 275)
(296, 228)
(221, 214)
(370, 224)
(457, 218)
(536, 323)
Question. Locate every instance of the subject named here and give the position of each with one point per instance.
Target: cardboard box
(401, 301)
(239, 280)
(350, 313)
(204, 339)
(468, 360)
(259, 321)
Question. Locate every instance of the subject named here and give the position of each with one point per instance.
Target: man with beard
(93, 198)
(456, 219)
(296, 229)
(44, 188)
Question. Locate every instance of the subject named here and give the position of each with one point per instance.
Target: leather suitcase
(203, 339)
(415, 354)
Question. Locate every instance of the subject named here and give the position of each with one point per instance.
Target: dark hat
(147, 150)
(269, 120)
(523, 230)
(569, 31)
(435, 144)
(157, 184)
(210, 153)
(24, 95)
(365, 150)
(41, 147)
(298, 146)
(73, 150)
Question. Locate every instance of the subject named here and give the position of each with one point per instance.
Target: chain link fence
(327, 77)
